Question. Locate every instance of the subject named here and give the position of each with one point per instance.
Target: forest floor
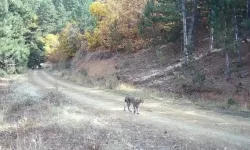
(39, 111)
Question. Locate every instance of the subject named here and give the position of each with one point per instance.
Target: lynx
(134, 101)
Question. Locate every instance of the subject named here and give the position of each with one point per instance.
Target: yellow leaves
(93, 38)
(98, 9)
(63, 45)
(125, 13)
(51, 43)
(35, 19)
(168, 26)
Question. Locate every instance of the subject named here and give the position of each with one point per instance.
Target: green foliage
(69, 41)
(84, 73)
(112, 24)
(2, 73)
(31, 36)
(231, 102)
(161, 21)
(24, 22)
(78, 11)
(199, 78)
(13, 21)
(47, 16)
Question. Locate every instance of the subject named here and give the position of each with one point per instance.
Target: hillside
(165, 73)
(124, 74)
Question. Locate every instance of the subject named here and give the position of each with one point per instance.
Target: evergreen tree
(13, 20)
(36, 56)
(47, 17)
(78, 11)
(163, 18)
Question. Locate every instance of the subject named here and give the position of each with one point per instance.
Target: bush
(54, 97)
(2, 73)
(199, 79)
(231, 102)
(22, 105)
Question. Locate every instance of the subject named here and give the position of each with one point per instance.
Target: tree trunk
(228, 67)
(247, 17)
(185, 38)
(237, 40)
(227, 56)
(191, 25)
(211, 32)
(248, 9)
(211, 47)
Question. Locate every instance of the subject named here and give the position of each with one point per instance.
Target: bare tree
(226, 47)
(228, 74)
(185, 38)
(211, 32)
(188, 28)
(236, 30)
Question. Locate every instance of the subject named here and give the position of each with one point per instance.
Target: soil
(162, 69)
(193, 128)
(89, 118)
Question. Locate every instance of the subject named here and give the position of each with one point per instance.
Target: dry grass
(126, 87)
(46, 122)
(51, 121)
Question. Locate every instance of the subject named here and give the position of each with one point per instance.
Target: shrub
(231, 102)
(2, 73)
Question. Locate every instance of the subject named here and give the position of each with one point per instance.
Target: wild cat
(134, 101)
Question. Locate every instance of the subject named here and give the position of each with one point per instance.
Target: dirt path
(218, 130)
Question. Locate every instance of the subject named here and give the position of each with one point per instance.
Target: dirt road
(208, 129)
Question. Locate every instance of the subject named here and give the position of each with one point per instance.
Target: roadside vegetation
(189, 60)
(32, 120)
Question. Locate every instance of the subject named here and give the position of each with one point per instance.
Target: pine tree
(14, 52)
(47, 17)
(36, 56)
(163, 17)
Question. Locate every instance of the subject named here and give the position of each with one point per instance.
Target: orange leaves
(117, 22)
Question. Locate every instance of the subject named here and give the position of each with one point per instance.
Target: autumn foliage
(64, 45)
(116, 29)
(51, 44)
(117, 24)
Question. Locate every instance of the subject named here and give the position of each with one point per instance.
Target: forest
(124, 74)
(35, 31)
